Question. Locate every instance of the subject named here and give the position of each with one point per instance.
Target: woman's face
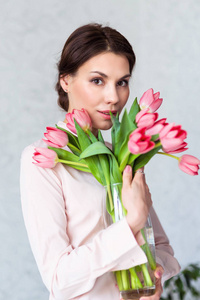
(99, 86)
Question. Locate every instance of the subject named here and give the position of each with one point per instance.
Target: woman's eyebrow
(100, 73)
(106, 76)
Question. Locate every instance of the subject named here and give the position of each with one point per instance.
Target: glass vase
(139, 280)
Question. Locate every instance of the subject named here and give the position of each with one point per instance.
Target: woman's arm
(67, 271)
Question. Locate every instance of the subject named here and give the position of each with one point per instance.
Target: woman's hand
(158, 274)
(136, 199)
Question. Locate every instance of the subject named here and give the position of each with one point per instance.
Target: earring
(66, 91)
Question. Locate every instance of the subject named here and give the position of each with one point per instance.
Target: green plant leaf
(126, 127)
(167, 283)
(115, 174)
(143, 159)
(134, 110)
(65, 155)
(179, 284)
(95, 149)
(115, 133)
(154, 137)
(121, 139)
(71, 159)
(92, 162)
(194, 292)
(187, 277)
(100, 137)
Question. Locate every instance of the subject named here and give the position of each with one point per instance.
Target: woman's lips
(106, 113)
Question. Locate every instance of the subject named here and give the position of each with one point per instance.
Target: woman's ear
(64, 83)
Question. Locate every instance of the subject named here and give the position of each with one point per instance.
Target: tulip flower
(45, 158)
(189, 164)
(145, 119)
(82, 118)
(56, 137)
(150, 101)
(139, 142)
(157, 127)
(172, 138)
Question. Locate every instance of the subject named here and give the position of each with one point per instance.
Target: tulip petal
(190, 159)
(187, 170)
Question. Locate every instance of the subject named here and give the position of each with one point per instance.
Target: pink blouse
(67, 225)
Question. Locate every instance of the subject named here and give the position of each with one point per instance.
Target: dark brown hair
(84, 43)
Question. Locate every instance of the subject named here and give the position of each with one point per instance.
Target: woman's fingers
(158, 271)
(127, 177)
(139, 174)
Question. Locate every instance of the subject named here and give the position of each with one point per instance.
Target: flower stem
(170, 155)
(119, 280)
(135, 281)
(125, 280)
(124, 161)
(148, 253)
(110, 201)
(74, 148)
(68, 162)
(147, 277)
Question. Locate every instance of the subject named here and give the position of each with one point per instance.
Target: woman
(64, 209)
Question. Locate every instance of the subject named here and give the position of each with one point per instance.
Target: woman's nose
(111, 95)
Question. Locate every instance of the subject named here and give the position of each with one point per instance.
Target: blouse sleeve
(66, 271)
(164, 252)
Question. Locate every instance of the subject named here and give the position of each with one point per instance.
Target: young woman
(64, 209)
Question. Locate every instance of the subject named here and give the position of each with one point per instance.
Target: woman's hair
(84, 43)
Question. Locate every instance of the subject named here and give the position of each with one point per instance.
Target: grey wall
(166, 39)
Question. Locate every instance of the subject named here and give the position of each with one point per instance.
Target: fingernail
(128, 169)
(159, 273)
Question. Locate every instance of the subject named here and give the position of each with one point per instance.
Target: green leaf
(194, 292)
(94, 149)
(103, 159)
(143, 159)
(82, 137)
(187, 278)
(70, 159)
(124, 152)
(115, 133)
(92, 162)
(167, 283)
(134, 110)
(178, 282)
(121, 139)
(126, 127)
(99, 148)
(154, 137)
(100, 137)
(65, 155)
(92, 136)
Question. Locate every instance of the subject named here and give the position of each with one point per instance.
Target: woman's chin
(102, 126)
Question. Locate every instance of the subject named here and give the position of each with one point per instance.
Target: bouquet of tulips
(135, 140)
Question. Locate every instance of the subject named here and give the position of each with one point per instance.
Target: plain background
(166, 38)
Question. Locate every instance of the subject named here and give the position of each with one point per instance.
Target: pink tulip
(140, 143)
(145, 119)
(157, 127)
(150, 101)
(82, 118)
(56, 137)
(172, 138)
(45, 158)
(189, 164)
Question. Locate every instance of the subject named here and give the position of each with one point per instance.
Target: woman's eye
(97, 81)
(122, 83)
